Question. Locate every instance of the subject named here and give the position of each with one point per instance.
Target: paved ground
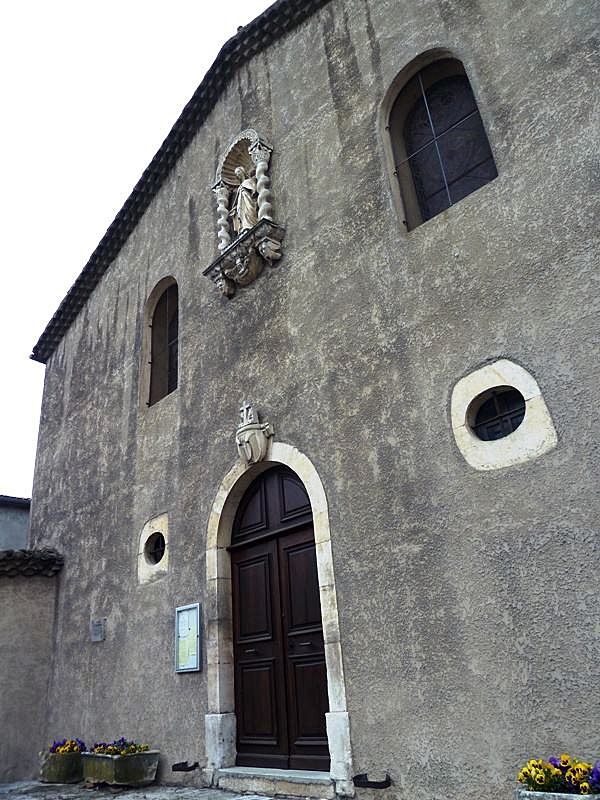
(32, 790)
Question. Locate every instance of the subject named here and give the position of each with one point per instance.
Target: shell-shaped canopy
(238, 155)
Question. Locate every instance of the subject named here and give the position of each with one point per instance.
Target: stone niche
(248, 236)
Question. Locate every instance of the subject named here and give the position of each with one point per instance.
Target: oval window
(496, 413)
(154, 549)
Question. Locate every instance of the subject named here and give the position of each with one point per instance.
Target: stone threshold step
(277, 782)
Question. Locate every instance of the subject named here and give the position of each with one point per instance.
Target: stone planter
(136, 769)
(525, 794)
(61, 768)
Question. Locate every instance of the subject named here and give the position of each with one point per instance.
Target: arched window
(164, 345)
(440, 148)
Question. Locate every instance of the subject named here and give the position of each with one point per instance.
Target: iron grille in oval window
(497, 413)
(155, 548)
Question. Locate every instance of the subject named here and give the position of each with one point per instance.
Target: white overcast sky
(89, 91)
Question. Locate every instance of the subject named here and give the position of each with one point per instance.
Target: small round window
(154, 549)
(496, 413)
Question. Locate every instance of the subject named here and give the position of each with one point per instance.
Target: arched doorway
(280, 676)
(220, 722)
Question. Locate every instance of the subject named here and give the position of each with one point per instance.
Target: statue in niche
(244, 203)
(248, 236)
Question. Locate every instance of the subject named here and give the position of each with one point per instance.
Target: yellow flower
(540, 778)
(584, 787)
(565, 760)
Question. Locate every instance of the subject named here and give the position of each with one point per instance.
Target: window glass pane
(173, 363)
(472, 180)
(172, 336)
(516, 419)
(435, 204)
(449, 100)
(437, 106)
(510, 400)
(497, 430)
(164, 343)
(173, 325)
(408, 100)
(429, 181)
(467, 157)
(417, 130)
(487, 411)
(158, 358)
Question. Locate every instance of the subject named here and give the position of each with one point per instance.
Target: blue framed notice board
(188, 643)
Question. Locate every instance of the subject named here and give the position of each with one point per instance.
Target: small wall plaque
(98, 630)
(187, 638)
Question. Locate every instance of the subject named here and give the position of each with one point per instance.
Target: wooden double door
(280, 675)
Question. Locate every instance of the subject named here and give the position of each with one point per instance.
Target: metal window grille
(499, 415)
(155, 548)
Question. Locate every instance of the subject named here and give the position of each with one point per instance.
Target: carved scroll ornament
(248, 236)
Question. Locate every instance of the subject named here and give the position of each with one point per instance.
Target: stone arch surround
(220, 722)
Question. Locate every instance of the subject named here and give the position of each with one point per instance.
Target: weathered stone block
(220, 731)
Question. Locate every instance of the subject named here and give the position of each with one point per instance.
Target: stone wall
(26, 633)
(467, 599)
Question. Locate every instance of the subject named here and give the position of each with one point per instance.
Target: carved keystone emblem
(252, 436)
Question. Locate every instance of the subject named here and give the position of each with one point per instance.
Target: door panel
(309, 680)
(254, 585)
(258, 656)
(293, 500)
(280, 675)
(306, 674)
(300, 565)
(257, 685)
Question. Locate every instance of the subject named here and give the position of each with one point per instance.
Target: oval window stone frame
(535, 436)
(147, 571)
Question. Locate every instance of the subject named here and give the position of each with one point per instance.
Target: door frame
(220, 722)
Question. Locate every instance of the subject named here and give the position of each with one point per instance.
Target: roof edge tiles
(279, 19)
(46, 562)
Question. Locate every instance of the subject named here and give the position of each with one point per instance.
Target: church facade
(315, 442)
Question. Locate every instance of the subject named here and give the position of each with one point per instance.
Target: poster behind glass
(187, 638)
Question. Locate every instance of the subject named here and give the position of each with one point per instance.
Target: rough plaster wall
(468, 606)
(26, 627)
(14, 523)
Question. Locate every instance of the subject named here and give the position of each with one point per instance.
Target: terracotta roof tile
(46, 562)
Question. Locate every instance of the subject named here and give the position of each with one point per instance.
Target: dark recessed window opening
(496, 413)
(441, 150)
(154, 548)
(164, 345)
